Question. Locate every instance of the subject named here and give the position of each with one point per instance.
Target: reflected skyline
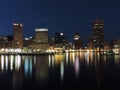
(44, 66)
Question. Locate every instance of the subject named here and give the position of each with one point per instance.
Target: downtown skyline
(60, 16)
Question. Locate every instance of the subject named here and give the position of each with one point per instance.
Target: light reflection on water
(40, 68)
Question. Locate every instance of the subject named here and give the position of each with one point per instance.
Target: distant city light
(41, 29)
(26, 38)
(76, 38)
(31, 37)
(61, 34)
(16, 24)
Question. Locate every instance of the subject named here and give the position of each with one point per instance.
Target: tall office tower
(18, 35)
(3, 42)
(77, 41)
(90, 42)
(98, 34)
(52, 42)
(60, 39)
(41, 38)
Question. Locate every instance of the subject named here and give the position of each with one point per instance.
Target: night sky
(67, 16)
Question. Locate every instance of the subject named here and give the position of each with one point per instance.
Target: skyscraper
(18, 35)
(60, 39)
(98, 34)
(41, 35)
(77, 41)
(41, 39)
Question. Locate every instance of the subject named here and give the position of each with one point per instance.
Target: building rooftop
(41, 29)
(16, 24)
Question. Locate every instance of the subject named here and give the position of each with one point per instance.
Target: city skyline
(60, 16)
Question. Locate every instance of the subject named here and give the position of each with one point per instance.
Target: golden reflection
(87, 58)
(49, 60)
(58, 58)
(80, 55)
(67, 58)
(117, 59)
(72, 57)
(91, 57)
(98, 55)
(105, 58)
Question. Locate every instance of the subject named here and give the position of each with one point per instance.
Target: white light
(11, 63)
(26, 38)
(49, 58)
(18, 50)
(21, 25)
(76, 38)
(62, 70)
(30, 37)
(6, 62)
(41, 29)
(16, 24)
(11, 50)
(19, 61)
(61, 34)
(66, 58)
(2, 62)
(2, 49)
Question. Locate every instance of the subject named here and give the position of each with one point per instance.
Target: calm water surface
(59, 71)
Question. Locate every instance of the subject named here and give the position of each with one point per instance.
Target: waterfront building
(115, 43)
(52, 43)
(106, 46)
(10, 39)
(3, 42)
(90, 42)
(98, 33)
(40, 42)
(6, 42)
(60, 40)
(28, 41)
(77, 41)
(18, 35)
